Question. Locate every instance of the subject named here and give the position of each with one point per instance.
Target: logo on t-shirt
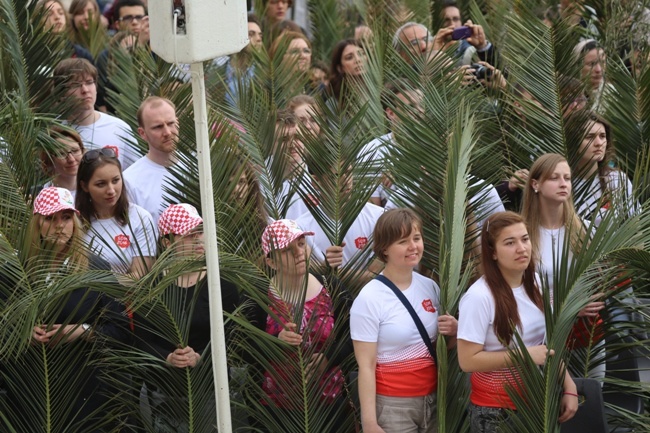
(361, 242)
(428, 306)
(114, 149)
(122, 241)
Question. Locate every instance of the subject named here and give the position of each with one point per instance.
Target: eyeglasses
(64, 154)
(296, 51)
(79, 84)
(131, 18)
(94, 154)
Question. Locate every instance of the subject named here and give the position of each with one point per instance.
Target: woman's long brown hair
(506, 314)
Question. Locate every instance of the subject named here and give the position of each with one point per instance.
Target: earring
(535, 191)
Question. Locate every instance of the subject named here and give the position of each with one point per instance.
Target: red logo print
(361, 242)
(428, 306)
(122, 241)
(114, 149)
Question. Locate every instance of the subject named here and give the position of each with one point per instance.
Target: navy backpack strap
(423, 332)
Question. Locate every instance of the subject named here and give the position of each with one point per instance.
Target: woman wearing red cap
(173, 328)
(72, 317)
(310, 317)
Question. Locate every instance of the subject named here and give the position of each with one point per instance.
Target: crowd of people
(367, 302)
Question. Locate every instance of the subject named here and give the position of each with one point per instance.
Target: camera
(481, 72)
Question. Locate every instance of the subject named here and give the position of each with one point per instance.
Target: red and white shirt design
(404, 365)
(316, 328)
(476, 325)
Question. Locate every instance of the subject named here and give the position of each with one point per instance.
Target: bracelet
(571, 394)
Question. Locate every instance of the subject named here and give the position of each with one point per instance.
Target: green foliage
(442, 156)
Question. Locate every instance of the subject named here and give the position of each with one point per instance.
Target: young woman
(183, 305)
(70, 323)
(592, 59)
(322, 333)
(122, 233)
(56, 22)
(82, 12)
(397, 375)
(552, 221)
(347, 67)
(305, 108)
(64, 164)
(507, 294)
(600, 187)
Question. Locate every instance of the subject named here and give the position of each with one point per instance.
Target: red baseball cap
(179, 219)
(279, 234)
(52, 200)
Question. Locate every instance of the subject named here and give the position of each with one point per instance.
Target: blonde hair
(541, 170)
(75, 249)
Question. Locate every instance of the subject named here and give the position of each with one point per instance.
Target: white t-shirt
(297, 206)
(404, 364)
(357, 239)
(622, 197)
(476, 318)
(120, 244)
(476, 325)
(72, 191)
(551, 247)
(109, 131)
(147, 182)
(488, 195)
(378, 316)
(375, 154)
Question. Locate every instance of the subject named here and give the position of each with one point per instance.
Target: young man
(128, 16)
(149, 178)
(76, 80)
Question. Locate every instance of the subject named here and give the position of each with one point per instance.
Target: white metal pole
(217, 334)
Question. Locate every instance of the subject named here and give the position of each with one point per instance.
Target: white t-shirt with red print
(120, 244)
(357, 239)
(476, 325)
(404, 365)
(110, 131)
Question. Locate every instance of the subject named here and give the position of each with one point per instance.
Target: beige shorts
(407, 414)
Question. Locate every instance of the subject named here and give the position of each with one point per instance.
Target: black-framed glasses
(131, 18)
(79, 84)
(92, 155)
(63, 154)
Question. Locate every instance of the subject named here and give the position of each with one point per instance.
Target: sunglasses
(92, 155)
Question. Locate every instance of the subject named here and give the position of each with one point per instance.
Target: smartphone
(462, 32)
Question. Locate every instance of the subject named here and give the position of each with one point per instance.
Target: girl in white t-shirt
(508, 293)
(598, 187)
(397, 375)
(552, 222)
(121, 233)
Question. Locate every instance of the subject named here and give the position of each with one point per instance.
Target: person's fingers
(551, 352)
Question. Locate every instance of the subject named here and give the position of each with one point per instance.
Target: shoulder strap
(423, 332)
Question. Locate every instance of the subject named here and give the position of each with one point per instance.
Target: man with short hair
(129, 15)
(413, 40)
(149, 176)
(287, 156)
(76, 79)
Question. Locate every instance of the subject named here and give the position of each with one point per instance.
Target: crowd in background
(356, 292)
